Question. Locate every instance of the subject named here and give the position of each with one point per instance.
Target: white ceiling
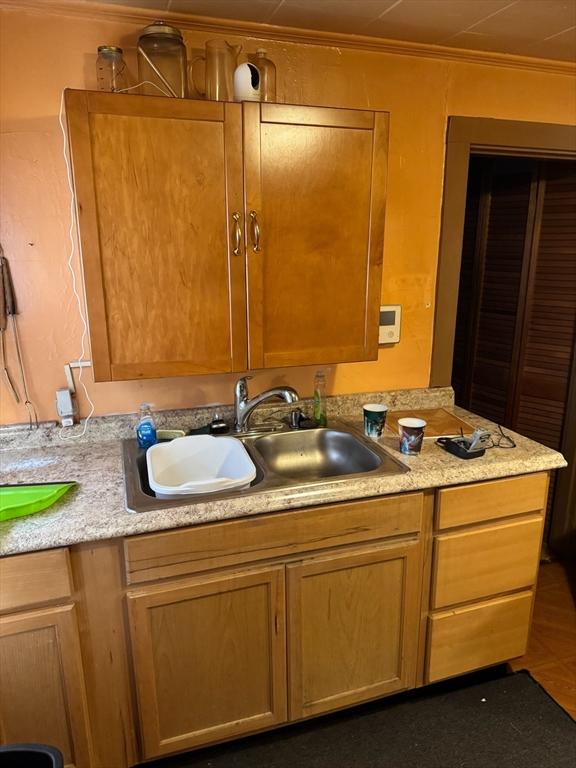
(541, 28)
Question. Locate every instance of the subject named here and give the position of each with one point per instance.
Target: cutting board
(439, 422)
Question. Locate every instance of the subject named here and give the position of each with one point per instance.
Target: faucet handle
(241, 387)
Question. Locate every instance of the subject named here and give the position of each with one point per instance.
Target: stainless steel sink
(288, 460)
(314, 454)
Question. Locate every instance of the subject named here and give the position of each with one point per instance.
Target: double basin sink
(291, 460)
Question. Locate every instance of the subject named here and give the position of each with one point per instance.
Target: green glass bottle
(319, 412)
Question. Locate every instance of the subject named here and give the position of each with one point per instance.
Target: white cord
(144, 82)
(73, 250)
(73, 273)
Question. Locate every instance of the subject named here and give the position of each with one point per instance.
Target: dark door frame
(479, 135)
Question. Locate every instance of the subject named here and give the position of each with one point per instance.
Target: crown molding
(89, 9)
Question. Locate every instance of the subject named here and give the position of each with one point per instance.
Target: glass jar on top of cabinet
(111, 74)
(162, 61)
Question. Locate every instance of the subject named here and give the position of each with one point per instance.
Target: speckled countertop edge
(95, 510)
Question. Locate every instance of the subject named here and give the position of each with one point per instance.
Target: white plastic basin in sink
(198, 464)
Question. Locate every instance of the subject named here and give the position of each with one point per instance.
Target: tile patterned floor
(551, 655)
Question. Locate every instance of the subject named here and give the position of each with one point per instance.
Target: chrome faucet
(243, 407)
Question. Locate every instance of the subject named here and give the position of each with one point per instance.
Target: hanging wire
(71, 254)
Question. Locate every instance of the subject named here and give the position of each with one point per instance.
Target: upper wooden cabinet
(157, 184)
(315, 187)
(218, 237)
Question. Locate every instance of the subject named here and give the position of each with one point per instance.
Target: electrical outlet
(66, 407)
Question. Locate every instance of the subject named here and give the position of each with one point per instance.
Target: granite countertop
(96, 508)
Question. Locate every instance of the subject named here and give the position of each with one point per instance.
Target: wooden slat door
(209, 658)
(157, 184)
(504, 242)
(43, 698)
(549, 327)
(546, 359)
(353, 620)
(315, 187)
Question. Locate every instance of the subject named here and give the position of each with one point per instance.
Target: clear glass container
(111, 73)
(267, 71)
(162, 62)
(220, 60)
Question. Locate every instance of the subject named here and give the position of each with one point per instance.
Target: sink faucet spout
(244, 406)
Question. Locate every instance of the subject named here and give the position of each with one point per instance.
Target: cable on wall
(71, 254)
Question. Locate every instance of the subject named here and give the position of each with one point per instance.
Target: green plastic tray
(21, 500)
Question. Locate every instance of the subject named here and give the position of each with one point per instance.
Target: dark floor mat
(507, 722)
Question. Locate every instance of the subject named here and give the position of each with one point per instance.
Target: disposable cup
(411, 434)
(374, 419)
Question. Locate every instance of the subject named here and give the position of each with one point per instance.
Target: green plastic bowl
(21, 500)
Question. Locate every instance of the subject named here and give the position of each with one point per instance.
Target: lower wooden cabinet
(239, 626)
(209, 658)
(484, 572)
(352, 627)
(43, 697)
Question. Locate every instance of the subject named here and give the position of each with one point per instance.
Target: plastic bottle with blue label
(146, 429)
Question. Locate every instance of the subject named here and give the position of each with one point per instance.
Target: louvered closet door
(501, 244)
(550, 322)
(549, 331)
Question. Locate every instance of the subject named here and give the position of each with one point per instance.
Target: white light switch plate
(390, 316)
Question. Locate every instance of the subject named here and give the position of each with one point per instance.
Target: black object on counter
(218, 426)
(205, 430)
(458, 446)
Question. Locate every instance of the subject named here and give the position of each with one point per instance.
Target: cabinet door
(209, 658)
(43, 696)
(353, 622)
(315, 191)
(159, 198)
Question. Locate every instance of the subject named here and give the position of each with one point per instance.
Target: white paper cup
(411, 434)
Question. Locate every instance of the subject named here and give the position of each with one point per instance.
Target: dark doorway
(516, 320)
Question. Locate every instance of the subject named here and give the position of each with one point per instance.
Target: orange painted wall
(43, 53)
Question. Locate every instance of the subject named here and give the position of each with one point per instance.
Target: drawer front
(486, 501)
(477, 636)
(264, 537)
(485, 561)
(37, 577)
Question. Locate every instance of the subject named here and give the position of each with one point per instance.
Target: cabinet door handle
(255, 231)
(237, 233)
